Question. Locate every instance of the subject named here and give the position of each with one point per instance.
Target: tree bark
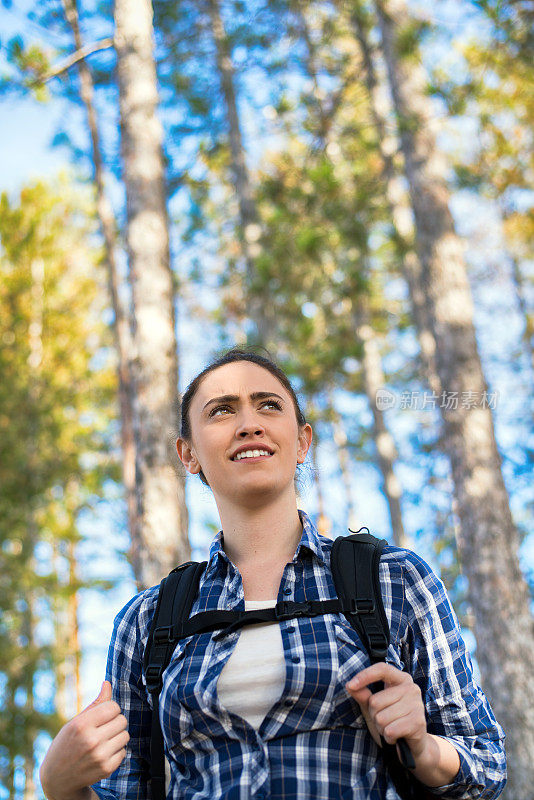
(121, 327)
(28, 617)
(61, 637)
(488, 541)
(526, 314)
(74, 640)
(373, 381)
(28, 631)
(160, 540)
(373, 374)
(249, 227)
(399, 206)
(324, 524)
(340, 439)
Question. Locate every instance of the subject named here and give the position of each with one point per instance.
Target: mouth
(251, 456)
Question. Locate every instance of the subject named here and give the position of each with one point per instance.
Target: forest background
(295, 192)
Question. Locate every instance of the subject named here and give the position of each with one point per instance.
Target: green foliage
(513, 24)
(409, 38)
(55, 454)
(30, 64)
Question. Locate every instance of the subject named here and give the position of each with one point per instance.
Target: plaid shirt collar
(310, 540)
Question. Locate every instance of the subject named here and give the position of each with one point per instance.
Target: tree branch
(78, 55)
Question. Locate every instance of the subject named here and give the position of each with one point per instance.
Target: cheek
(291, 444)
(212, 448)
(203, 448)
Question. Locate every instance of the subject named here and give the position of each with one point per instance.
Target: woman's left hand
(395, 712)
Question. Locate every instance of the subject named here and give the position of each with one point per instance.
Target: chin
(257, 488)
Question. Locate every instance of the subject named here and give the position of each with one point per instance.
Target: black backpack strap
(355, 566)
(354, 562)
(176, 595)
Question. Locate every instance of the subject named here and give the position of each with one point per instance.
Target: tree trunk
(324, 121)
(74, 642)
(324, 524)
(10, 776)
(526, 314)
(28, 629)
(28, 620)
(250, 231)
(61, 637)
(373, 380)
(489, 541)
(373, 375)
(160, 540)
(121, 328)
(399, 205)
(340, 439)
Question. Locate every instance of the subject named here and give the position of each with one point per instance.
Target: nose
(248, 424)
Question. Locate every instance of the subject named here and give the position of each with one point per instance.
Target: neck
(264, 535)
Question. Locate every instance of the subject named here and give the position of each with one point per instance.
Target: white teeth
(251, 454)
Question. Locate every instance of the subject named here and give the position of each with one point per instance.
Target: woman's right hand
(88, 748)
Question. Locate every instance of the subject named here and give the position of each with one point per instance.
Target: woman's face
(243, 407)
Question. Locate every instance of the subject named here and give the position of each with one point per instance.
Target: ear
(187, 456)
(304, 441)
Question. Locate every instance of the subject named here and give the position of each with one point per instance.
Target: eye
(217, 408)
(274, 403)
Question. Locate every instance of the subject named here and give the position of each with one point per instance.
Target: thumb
(105, 692)
(103, 695)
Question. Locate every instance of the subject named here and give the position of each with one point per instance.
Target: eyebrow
(234, 398)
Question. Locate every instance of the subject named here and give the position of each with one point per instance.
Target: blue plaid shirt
(313, 742)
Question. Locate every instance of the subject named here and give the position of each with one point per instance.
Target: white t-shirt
(253, 678)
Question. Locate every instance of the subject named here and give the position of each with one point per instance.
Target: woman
(280, 710)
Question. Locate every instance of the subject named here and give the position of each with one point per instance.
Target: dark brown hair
(235, 354)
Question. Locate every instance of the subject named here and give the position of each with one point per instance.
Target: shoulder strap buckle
(362, 605)
(164, 635)
(153, 675)
(378, 645)
(288, 609)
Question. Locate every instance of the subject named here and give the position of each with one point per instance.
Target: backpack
(354, 562)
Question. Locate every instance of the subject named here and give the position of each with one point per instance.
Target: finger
(117, 743)
(116, 760)
(387, 697)
(111, 763)
(389, 714)
(110, 729)
(405, 727)
(102, 713)
(379, 672)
